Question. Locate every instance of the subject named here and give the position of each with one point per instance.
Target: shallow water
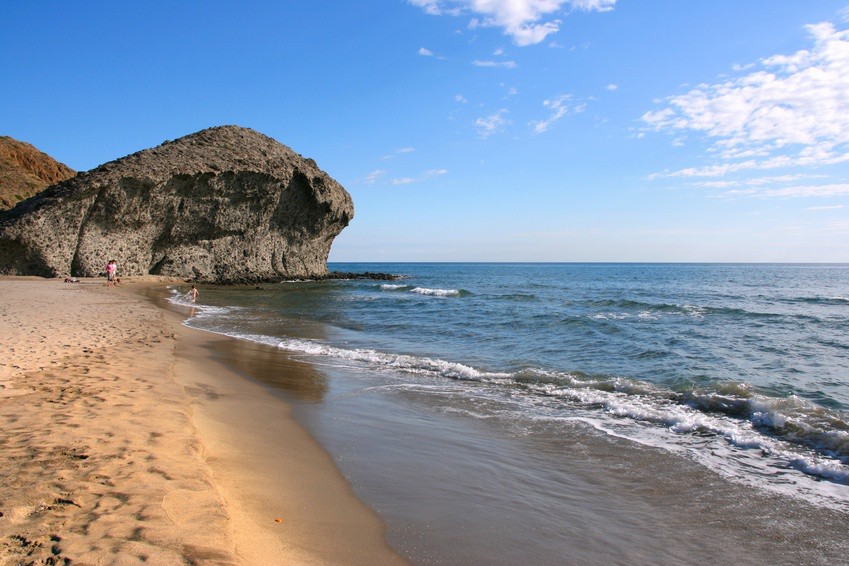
(497, 413)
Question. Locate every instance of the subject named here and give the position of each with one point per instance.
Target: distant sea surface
(523, 398)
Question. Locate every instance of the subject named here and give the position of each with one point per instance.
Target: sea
(598, 413)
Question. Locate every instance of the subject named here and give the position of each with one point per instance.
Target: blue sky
(480, 130)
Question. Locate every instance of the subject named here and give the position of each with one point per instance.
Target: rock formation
(26, 171)
(224, 205)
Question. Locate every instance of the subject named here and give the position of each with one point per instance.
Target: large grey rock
(224, 205)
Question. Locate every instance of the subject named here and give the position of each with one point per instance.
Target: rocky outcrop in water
(224, 205)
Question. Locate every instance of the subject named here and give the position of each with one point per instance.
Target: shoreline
(127, 437)
(463, 470)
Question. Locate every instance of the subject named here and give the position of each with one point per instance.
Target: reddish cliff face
(26, 171)
(224, 205)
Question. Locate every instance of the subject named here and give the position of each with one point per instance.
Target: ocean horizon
(492, 412)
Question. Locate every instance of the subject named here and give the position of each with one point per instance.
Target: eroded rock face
(224, 205)
(25, 171)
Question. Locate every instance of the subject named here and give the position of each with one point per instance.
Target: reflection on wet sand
(270, 366)
(265, 364)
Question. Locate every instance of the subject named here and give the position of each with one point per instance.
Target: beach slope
(122, 441)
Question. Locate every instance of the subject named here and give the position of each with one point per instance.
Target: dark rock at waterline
(330, 276)
(363, 275)
(224, 205)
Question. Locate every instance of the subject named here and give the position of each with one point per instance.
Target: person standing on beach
(111, 272)
(193, 293)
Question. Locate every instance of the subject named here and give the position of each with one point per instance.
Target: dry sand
(123, 440)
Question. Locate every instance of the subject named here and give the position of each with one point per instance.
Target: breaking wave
(424, 290)
(789, 431)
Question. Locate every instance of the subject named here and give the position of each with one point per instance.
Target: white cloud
(398, 151)
(594, 5)
(832, 207)
(832, 190)
(776, 162)
(792, 111)
(612, 86)
(435, 7)
(425, 52)
(461, 99)
(758, 181)
(737, 67)
(427, 175)
(502, 64)
(799, 185)
(558, 107)
(374, 176)
(527, 22)
(492, 124)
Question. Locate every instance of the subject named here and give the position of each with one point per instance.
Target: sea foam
(436, 292)
(421, 290)
(747, 422)
(713, 364)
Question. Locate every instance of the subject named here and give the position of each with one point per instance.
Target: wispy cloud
(737, 67)
(758, 181)
(800, 185)
(374, 176)
(399, 151)
(777, 162)
(558, 108)
(425, 52)
(797, 191)
(594, 5)
(436, 7)
(791, 111)
(511, 90)
(612, 86)
(527, 22)
(427, 175)
(832, 207)
(492, 124)
(501, 64)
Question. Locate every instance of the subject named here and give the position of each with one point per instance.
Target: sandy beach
(125, 440)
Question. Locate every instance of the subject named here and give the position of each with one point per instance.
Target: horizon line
(604, 262)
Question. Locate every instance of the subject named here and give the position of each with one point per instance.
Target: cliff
(224, 205)
(26, 171)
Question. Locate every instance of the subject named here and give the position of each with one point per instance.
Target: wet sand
(124, 439)
(490, 489)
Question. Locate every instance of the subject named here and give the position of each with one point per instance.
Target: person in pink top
(111, 272)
